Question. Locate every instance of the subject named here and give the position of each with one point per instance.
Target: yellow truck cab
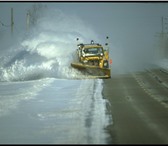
(93, 54)
(93, 59)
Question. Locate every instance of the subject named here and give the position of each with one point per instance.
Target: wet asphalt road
(139, 106)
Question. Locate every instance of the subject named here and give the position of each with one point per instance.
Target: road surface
(138, 104)
(52, 111)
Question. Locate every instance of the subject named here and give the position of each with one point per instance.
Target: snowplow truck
(93, 59)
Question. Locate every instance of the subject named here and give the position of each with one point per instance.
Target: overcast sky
(114, 19)
(131, 26)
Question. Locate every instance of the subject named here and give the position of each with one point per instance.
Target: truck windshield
(93, 50)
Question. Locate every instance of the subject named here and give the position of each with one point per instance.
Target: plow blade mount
(93, 71)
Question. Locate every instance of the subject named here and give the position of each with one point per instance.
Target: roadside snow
(163, 63)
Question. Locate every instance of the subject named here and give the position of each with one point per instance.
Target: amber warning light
(111, 61)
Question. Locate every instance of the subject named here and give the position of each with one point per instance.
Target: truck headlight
(85, 61)
(105, 64)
